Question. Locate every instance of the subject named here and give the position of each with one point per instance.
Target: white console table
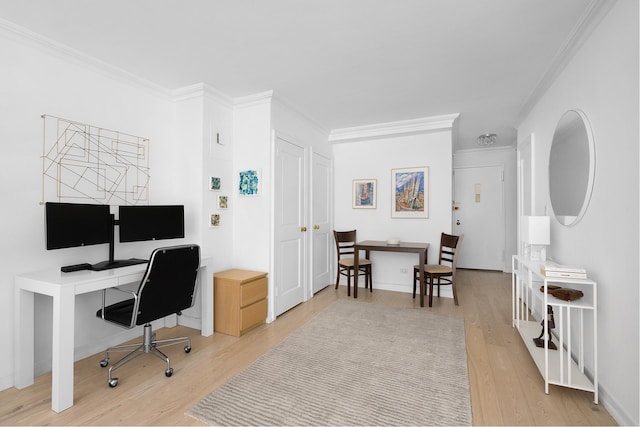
(566, 365)
(63, 287)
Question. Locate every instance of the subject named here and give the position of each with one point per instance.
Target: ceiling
(344, 63)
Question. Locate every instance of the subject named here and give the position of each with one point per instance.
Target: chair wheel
(104, 362)
(168, 372)
(187, 349)
(113, 382)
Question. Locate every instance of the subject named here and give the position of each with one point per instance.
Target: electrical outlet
(404, 270)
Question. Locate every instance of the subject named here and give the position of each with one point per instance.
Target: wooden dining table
(382, 246)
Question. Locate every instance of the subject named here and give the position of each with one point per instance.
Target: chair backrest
(449, 248)
(169, 284)
(345, 242)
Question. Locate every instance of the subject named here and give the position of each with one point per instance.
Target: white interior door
(321, 220)
(479, 215)
(289, 229)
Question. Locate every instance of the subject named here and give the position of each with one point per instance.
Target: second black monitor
(153, 222)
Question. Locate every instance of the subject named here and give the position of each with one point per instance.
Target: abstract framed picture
(249, 183)
(365, 194)
(215, 183)
(410, 192)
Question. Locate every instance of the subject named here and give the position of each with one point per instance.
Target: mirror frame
(592, 166)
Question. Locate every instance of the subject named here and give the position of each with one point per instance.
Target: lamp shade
(536, 230)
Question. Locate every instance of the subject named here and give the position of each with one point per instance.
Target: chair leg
(455, 293)
(430, 290)
(415, 281)
(349, 282)
(338, 278)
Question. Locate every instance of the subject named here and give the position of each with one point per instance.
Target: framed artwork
(214, 183)
(249, 184)
(223, 202)
(365, 192)
(410, 193)
(214, 220)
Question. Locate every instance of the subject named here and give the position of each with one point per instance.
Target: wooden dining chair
(445, 271)
(345, 245)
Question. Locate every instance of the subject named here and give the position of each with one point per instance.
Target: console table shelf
(565, 366)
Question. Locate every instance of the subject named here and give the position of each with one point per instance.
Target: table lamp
(536, 235)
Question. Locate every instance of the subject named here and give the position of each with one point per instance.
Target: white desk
(63, 287)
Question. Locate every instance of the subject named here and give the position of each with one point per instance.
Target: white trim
(202, 90)
(252, 100)
(47, 45)
(424, 124)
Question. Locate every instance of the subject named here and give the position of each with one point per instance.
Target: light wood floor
(506, 388)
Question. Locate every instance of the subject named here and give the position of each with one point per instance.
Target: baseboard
(616, 410)
(6, 382)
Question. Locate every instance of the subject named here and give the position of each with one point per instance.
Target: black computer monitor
(74, 224)
(150, 222)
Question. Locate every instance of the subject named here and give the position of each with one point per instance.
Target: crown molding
(588, 22)
(253, 100)
(46, 45)
(425, 124)
(200, 90)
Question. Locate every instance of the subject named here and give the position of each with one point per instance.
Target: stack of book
(551, 269)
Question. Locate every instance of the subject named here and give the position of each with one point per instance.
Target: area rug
(355, 363)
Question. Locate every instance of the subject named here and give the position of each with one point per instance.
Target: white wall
(602, 81)
(374, 159)
(35, 80)
(506, 157)
(252, 150)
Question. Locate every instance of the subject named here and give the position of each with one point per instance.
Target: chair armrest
(115, 288)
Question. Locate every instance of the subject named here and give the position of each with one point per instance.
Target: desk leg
(62, 350)
(23, 339)
(422, 259)
(206, 307)
(356, 261)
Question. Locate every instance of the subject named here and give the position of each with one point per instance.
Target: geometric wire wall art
(81, 161)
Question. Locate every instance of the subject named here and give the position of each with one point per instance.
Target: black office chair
(168, 287)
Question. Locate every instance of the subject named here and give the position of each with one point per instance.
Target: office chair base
(149, 346)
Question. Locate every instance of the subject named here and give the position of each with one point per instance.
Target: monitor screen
(155, 222)
(75, 224)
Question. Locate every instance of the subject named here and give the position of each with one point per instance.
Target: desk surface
(55, 277)
(381, 245)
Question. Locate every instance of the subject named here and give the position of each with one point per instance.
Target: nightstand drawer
(253, 291)
(253, 315)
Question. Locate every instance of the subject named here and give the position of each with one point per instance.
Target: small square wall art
(249, 184)
(223, 202)
(214, 220)
(214, 183)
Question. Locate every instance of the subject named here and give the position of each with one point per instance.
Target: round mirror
(571, 167)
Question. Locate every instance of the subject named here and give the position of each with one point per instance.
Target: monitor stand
(107, 265)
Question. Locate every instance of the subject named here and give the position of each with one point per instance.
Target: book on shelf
(552, 269)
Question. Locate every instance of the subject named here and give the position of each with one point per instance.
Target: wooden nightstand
(240, 301)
